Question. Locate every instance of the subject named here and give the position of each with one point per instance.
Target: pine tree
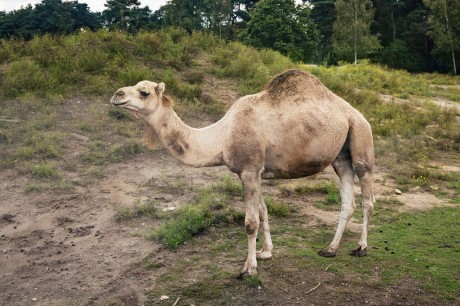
(351, 30)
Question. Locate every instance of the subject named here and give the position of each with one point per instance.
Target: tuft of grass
(211, 208)
(151, 265)
(229, 186)
(188, 221)
(148, 209)
(275, 208)
(44, 171)
(253, 281)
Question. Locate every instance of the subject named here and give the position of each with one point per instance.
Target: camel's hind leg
(366, 182)
(362, 155)
(266, 251)
(344, 169)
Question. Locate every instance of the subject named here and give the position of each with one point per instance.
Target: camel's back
(295, 84)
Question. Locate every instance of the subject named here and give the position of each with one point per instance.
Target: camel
(294, 127)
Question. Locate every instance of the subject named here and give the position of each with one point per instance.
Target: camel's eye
(145, 93)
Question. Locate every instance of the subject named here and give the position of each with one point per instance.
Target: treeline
(416, 35)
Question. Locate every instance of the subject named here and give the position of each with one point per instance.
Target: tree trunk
(393, 25)
(453, 60)
(449, 35)
(355, 30)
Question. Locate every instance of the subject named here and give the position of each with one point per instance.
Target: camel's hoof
(326, 254)
(358, 252)
(264, 255)
(247, 272)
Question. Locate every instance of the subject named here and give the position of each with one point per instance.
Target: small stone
(34, 299)
(164, 297)
(397, 191)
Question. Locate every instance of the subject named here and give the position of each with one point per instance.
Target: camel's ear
(160, 88)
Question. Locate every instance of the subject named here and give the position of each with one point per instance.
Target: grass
(276, 208)
(210, 208)
(404, 249)
(423, 249)
(148, 209)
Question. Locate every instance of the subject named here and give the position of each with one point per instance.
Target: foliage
(280, 25)
(323, 14)
(445, 29)
(126, 15)
(49, 16)
(351, 30)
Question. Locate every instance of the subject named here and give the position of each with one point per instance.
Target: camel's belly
(300, 170)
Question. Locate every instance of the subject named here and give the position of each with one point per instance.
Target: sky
(94, 5)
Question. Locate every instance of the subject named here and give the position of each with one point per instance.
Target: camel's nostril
(120, 93)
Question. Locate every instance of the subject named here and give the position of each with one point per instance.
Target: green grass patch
(276, 208)
(212, 207)
(147, 209)
(229, 186)
(44, 171)
(253, 281)
(424, 246)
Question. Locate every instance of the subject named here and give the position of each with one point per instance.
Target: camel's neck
(195, 147)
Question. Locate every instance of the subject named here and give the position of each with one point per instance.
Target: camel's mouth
(119, 103)
(116, 102)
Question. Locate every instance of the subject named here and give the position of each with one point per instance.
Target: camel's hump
(295, 82)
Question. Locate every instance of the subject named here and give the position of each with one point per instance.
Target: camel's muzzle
(117, 102)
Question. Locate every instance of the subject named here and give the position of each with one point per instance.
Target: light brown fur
(294, 128)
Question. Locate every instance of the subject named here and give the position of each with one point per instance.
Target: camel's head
(142, 98)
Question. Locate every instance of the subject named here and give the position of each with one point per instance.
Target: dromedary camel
(294, 128)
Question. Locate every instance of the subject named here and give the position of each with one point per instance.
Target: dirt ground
(67, 248)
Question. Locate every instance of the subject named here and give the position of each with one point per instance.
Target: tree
(283, 26)
(49, 16)
(323, 14)
(402, 27)
(351, 29)
(187, 14)
(126, 15)
(445, 28)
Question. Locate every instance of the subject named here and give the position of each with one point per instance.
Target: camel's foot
(325, 253)
(264, 255)
(358, 252)
(247, 272)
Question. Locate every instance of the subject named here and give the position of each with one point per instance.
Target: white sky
(94, 5)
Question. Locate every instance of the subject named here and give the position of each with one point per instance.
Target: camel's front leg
(266, 251)
(251, 184)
